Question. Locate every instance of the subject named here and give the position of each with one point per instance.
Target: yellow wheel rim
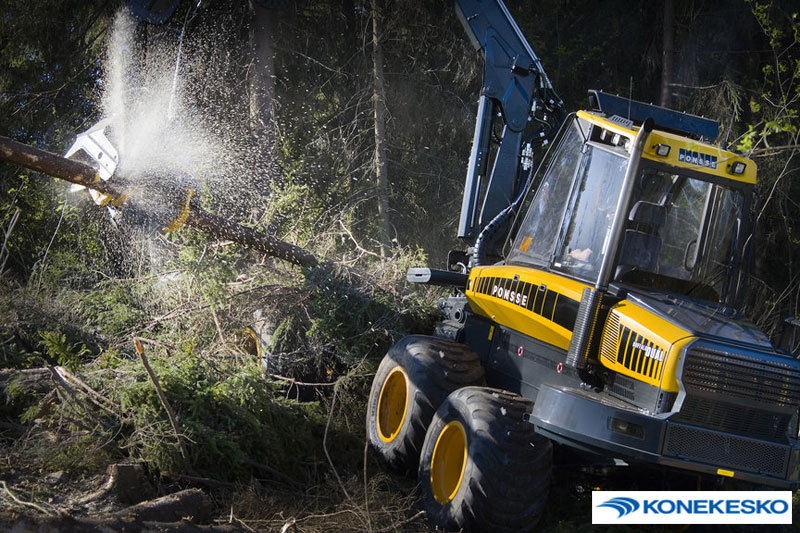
(392, 404)
(253, 345)
(448, 462)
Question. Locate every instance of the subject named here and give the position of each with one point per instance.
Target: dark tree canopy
(294, 145)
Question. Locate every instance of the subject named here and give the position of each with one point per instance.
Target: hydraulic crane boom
(517, 92)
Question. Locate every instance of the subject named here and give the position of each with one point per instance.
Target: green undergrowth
(228, 419)
(232, 418)
(295, 420)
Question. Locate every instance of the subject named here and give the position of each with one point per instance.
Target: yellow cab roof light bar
(679, 139)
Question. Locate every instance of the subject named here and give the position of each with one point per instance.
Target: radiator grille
(754, 395)
(743, 377)
(610, 343)
(746, 421)
(622, 386)
(725, 450)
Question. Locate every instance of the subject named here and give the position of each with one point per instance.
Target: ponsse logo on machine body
(538, 299)
(697, 158)
(509, 295)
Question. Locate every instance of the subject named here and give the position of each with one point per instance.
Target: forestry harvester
(596, 306)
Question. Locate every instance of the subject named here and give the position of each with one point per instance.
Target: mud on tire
(482, 467)
(412, 381)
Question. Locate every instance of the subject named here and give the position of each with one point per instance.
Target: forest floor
(36, 500)
(255, 450)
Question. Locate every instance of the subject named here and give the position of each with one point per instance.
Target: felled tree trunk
(83, 174)
(171, 508)
(28, 379)
(379, 106)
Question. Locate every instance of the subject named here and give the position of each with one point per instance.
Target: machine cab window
(682, 228)
(590, 212)
(537, 236)
(683, 234)
(570, 215)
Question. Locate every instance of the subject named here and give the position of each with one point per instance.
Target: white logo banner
(692, 507)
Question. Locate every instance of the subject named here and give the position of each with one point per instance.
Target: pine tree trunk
(83, 174)
(379, 104)
(261, 89)
(668, 53)
(261, 76)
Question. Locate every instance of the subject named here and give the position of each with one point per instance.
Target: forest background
(343, 127)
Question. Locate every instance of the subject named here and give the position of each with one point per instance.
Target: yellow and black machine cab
(614, 309)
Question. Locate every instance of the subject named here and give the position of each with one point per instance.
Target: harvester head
(93, 147)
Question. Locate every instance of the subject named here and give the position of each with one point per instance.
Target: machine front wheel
(483, 467)
(414, 378)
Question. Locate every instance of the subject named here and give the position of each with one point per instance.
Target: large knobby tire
(483, 467)
(412, 381)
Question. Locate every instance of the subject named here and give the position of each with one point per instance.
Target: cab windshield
(570, 215)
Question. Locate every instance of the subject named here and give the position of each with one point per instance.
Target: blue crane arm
(515, 90)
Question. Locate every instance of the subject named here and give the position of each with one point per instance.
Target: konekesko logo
(692, 507)
(623, 505)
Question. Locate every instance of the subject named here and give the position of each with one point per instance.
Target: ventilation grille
(746, 378)
(725, 450)
(752, 395)
(610, 343)
(715, 413)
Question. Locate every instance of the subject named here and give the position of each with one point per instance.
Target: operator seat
(641, 245)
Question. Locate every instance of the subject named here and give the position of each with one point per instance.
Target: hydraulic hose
(487, 236)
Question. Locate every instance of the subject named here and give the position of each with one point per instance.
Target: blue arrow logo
(624, 506)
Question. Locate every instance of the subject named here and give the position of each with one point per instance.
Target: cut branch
(173, 420)
(22, 502)
(66, 386)
(224, 229)
(76, 172)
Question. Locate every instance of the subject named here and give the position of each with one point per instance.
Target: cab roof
(680, 150)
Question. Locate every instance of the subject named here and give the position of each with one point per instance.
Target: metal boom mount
(516, 91)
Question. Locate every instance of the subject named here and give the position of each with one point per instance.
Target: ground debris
(127, 482)
(37, 524)
(191, 505)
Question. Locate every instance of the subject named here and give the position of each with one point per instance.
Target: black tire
(412, 381)
(492, 473)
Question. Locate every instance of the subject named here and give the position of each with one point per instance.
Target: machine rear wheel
(414, 378)
(483, 467)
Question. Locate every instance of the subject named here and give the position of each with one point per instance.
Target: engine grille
(630, 349)
(750, 394)
(743, 377)
(749, 422)
(610, 342)
(725, 450)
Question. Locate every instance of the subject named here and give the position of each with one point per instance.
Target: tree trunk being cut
(76, 172)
